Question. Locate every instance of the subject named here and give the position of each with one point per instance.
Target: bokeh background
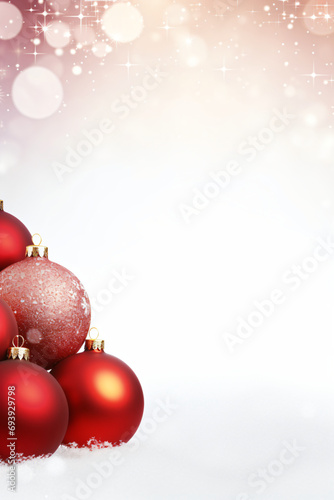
(116, 121)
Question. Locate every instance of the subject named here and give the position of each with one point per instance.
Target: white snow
(197, 449)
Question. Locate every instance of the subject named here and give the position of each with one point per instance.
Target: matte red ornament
(33, 409)
(105, 397)
(51, 307)
(8, 328)
(14, 238)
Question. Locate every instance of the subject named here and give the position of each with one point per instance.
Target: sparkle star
(80, 16)
(128, 65)
(314, 75)
(166, 27)
(45, 13)
(41, 27)
(224, 69)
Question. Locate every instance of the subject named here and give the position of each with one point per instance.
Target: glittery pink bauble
(51, 307)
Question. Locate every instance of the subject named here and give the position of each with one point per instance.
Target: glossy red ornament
(8, 328)
(14, 238)
(33, 409)
(105, 397)
(51, 307)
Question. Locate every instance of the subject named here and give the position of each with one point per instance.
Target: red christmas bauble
(33, 410)
(105, 397)
(8, 328)
(14, 238)
(51, 307)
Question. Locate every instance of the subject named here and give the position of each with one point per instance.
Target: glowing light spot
(176, 15)
(37, 92)
(101, 49)
(122, 22)
(319, 17)
(76, 70)
(109, 385)
(58, 34)
(11, 21)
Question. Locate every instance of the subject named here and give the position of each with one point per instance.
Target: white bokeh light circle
(84, 35)
(193, 50)
(101, 49)
(319, 17)
(176, 15)
(123, 23)
(77, 70)
(53, 63)
(59, 5)
(37, 92)
(58, 34)
(11, 21)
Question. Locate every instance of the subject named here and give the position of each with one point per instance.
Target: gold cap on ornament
(37, 250)
(94, 344)
(1, 205)
(18, 351)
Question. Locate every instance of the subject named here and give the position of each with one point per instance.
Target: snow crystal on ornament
(34, 335)
(85, 305)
